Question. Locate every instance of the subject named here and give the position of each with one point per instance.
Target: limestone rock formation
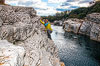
(21, 27)
(72, 25)
(94, 17)
(90, 26)
(86, 28)
(58, 23)
(11, 55)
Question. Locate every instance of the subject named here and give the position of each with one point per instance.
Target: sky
(50, 7)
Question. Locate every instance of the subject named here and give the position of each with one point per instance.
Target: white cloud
(56, 1)
(47, 12)
(12, 1)
(79, 4)
(43, 8)
(63, 7)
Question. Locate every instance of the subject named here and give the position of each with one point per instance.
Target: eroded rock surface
(11, 55)
(21, 26)
(72, 25)
(90, 26)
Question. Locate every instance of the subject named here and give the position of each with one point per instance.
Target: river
(76, 50)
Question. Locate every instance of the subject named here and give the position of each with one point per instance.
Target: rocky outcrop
(90, 26)
(11, 55)
(72, 25)
(27, 43)
(58, 23)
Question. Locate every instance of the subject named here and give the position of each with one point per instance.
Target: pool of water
(76, 50)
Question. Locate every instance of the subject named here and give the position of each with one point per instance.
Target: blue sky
(50, 7)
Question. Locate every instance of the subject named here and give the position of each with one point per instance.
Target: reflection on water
(76, 50)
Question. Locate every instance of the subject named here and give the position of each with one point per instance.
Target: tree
(83, 11)
(81, 15)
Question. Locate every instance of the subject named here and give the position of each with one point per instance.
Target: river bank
(90, 26)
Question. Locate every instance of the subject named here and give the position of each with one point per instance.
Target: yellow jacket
(48, 27)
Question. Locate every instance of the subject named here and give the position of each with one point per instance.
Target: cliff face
(72, 25)
(90, 26)
(28, 44)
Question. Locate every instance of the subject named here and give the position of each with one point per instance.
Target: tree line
(79, 13)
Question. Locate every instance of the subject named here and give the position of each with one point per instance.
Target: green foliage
(57, 16)
(79, 13)
(83, 11)
(95, 8)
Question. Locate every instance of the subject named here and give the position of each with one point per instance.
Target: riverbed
(76, 50)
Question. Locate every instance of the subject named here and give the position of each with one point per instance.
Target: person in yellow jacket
(47, 27)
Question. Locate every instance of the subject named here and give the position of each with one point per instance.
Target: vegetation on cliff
(57, 16)
(79, 13)
(83, 11)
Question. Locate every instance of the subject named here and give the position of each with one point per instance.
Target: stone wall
(27, 44)
(90, 26)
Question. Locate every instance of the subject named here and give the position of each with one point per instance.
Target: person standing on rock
(47, 27)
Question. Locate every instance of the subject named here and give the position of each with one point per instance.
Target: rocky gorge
(22, 39)
(89, 26)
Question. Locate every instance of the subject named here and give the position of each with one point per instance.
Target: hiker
(47, 27)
